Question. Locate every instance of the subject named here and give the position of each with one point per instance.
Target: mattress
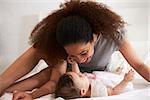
(141, 91)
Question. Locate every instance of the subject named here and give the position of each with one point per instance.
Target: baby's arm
(75, 68)
(74, 65)
(121, 86)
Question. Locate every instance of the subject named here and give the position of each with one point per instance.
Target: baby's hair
(66, 89)
(101, 19)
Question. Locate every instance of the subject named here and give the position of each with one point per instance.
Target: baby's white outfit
(100, 80)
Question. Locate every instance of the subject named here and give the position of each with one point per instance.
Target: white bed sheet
(141, 92)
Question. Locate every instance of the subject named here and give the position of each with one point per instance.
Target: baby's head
(72, 85)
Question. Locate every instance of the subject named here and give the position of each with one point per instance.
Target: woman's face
(80, 52)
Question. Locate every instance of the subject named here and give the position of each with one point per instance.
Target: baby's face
(80, 80)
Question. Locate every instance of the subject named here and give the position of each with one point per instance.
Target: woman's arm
(50, 86)
(24, 64)
(132, 58)
(24, 95)
(35, 81)
(47, 88)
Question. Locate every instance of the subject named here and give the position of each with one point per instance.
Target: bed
(141, 89)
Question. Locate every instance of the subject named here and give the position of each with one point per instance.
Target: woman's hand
(21, 96)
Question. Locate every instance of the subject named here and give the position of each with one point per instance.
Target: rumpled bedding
(141, 91)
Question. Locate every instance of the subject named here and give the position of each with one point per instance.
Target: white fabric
(108, 79)
(142, 92)
(141, 87)
(100, 80)
(111, 79)
(98, 89)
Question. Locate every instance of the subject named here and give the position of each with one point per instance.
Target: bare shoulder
(30, 56)
(34, 52)
(61, 66)
(124, 44)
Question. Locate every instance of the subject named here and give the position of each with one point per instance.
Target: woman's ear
(94, 38)
(82, 92)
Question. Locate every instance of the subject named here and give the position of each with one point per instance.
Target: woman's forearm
(144, 71)
(50, 86)
(24, 64)
(35, 81)
(46, 89)
(133, 59)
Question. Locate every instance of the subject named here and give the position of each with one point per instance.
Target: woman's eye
(84, 53)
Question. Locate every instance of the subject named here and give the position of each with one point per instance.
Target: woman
(85, 32)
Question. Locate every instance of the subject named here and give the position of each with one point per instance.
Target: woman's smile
(86, 60)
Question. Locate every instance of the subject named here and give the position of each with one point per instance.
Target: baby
(74, 84)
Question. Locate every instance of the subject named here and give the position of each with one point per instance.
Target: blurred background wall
(18, 17)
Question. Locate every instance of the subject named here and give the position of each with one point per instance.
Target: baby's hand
(129, 76)
(71, 60)
(21, 96)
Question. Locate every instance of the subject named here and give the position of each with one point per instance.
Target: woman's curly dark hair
(102, 21)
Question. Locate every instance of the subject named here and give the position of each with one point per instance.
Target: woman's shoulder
(37, 54)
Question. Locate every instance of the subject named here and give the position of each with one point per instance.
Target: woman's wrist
(32, 95)
(35, 94)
